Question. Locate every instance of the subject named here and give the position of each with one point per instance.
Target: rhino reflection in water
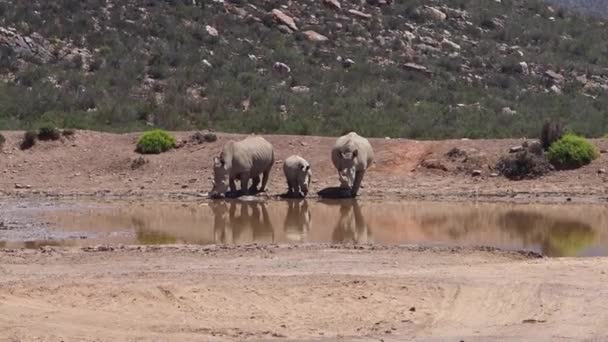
(241, 223)
(556, 237)
(351, 227)
(297, 221)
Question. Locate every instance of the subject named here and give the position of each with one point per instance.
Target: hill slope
(410, 68)
(597, 8)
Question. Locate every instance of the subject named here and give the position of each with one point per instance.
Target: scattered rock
(284, 19)
(347, 63)
(22, 186)
(508, 111)
(476, 173)
(211, 31)
(493, 174)
(314, 36)
(334, 4)
(32, 47)
(413, 309)
(418, 68)
(300, 89)
(601, 171)
(281, 68)
(523, 68)
(516, 149)
(359, 14)
(554, 77)
(430, 13)
(448, 44)
(203, 137)
(557, 90)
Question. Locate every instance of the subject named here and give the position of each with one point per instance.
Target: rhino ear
(217, 162)
(305, 168)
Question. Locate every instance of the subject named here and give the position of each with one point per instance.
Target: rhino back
(349, 143)
(292, 166)
(253, 154)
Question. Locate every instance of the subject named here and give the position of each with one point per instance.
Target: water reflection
(557, 237)
(297, 221)
(351, 227)
(551, 230)
(242, 222)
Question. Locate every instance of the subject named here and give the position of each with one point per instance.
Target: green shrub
(155, 141)
(49, 132)
(29, 139)
(571, 152)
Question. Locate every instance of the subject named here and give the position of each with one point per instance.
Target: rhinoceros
(243, 160)
(298, 174)
(352, 155)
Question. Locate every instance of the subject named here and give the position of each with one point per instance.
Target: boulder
(333, 4)
(314, 36)
(430, 13)
(359, 14)
(284, 19)
(211, 31)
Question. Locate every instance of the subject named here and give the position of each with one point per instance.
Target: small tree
(551, 132)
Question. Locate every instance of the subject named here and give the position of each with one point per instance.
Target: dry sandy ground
(306, 293)
(99, 164)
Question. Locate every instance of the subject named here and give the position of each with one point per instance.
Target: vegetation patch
(29, 140)
(571, 152)
(69, 132)
(524, 165)
(154, 142)
(2, 140)
(49, 132)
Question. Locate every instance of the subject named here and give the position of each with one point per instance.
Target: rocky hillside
(598, 8)
(409, 68)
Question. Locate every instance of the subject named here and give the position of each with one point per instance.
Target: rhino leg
(265, 179)
(290, 187)
(255, 181)
(232, 184)
(244, 181)
(357, 183)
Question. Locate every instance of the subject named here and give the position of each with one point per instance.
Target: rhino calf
(243, 160)
(352, 155)
(298, 174)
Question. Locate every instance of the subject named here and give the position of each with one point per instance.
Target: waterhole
(553, 230)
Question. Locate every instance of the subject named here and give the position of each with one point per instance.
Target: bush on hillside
(49, 132)
(156, 141)
(523, 165)
(29, 139)
(571, 152)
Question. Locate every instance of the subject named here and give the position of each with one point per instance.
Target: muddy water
(554, 230)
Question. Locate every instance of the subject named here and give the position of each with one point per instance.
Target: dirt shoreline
(100, 165)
